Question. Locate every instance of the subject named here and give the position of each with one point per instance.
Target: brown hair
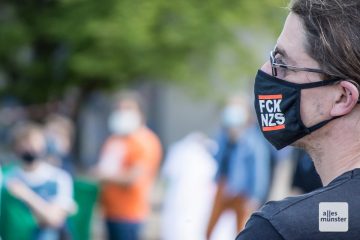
(60, 123)
(333, 34)
(129, 95)
(24, 131)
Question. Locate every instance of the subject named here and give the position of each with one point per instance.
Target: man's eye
(278, 60)
(282, 72)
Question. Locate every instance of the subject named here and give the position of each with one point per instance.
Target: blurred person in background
(305, 178)
(59, 132)
(127, 168)
(244, 165)
(188, 172)
(45, 189)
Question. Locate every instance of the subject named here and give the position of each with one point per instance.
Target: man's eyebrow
(283, 53)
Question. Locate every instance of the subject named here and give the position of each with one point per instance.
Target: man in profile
(307, 96)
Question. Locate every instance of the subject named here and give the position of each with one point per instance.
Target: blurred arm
(124, 178)
(50, 214)
(109, 168)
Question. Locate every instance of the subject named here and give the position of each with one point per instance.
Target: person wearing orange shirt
(127, 167)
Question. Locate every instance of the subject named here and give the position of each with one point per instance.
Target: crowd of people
(211, 185)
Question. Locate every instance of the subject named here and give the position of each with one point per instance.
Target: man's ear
(346, 98)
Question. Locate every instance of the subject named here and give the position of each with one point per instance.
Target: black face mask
(277, 105)
(28, 157)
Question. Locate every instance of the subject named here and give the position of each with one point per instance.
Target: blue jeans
(123, 230)
(47, 234)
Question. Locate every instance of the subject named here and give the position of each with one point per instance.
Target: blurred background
(63, 64)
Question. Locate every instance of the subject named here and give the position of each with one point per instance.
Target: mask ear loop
(319, 125)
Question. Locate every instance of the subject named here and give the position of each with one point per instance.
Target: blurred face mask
(28, 157)
(234, 116)
(124, 122)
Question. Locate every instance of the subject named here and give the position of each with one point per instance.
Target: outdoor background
(183, 56)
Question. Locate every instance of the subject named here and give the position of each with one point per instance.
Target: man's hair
(332, 29)
(61, 123)
(23, 131)
(129, 95)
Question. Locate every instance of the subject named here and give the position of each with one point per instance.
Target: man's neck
(334, 154)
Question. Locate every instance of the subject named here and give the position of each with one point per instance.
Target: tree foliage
(47, 46)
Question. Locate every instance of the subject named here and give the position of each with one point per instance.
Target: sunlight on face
(291, 51)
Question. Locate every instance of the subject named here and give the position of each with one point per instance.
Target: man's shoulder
(147, 134)
(273, 209)
(283, 219)
(299, 215)
(45, 173)
(303, 203)
(146, 139)
(290, 206)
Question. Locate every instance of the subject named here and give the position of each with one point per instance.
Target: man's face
(291, 51)
(33, 143)
(235, 116)
(126, 118)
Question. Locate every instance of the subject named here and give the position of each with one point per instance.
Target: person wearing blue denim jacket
(243, 158)
(249, 171)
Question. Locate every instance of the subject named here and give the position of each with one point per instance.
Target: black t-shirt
(303, 217)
